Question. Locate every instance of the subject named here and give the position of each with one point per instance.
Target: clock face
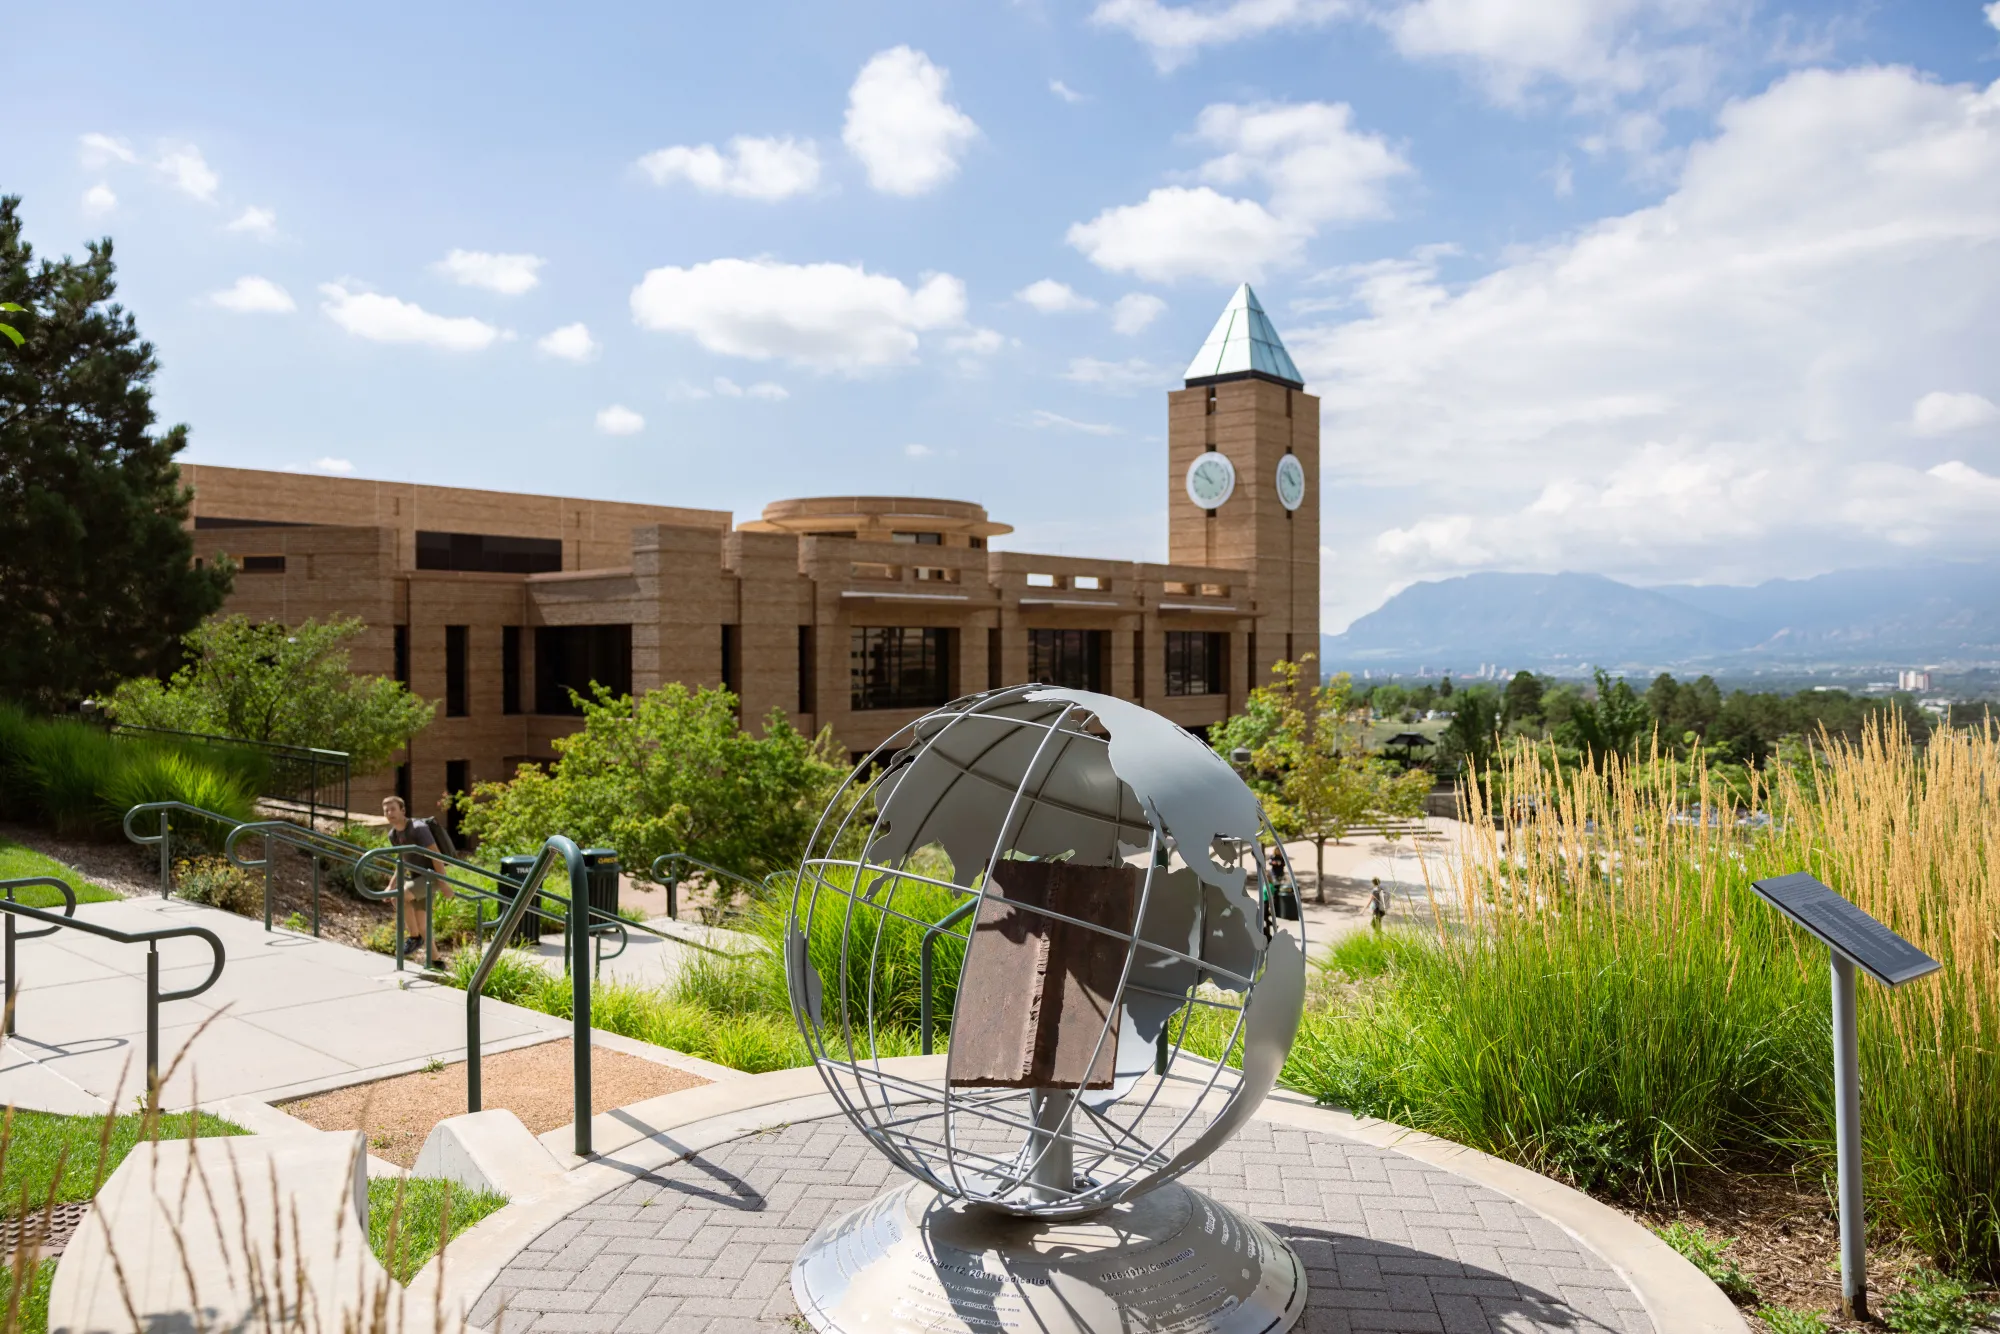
(1210, 480)
(1291, 482)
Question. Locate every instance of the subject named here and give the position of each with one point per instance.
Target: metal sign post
(1852, 939)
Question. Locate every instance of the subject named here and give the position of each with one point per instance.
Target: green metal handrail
(150, 939)
(665, 871)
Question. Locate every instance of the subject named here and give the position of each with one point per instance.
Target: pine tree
(97, 574)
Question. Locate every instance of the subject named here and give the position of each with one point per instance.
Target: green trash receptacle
(528, 932)
(600, 867)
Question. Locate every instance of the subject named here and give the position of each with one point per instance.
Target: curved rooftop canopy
(879, 519)
(1243, 344)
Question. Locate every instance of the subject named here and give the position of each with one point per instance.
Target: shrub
(1707, 1254)
(79, 778)
(219, 883)
(1935, 1304)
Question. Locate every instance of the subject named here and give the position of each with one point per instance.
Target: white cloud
(1117, 377)
(1993, 14)
(384, 319)
(1941, 413)
(1174, 34)
(1046, 420)
(976, 342)
(908, 137)
(918, 451)
(1072, 96)
(766, 169)
(1717, 387)
(829, 317)
(1601, 49)
(1132, 312)
(98, 200)
(261, 223)
(1051, 297)
(1315, 166)
(764, 389)
(572, 342)
(619, 420)
(509, 275)
(101, 149)
(187, 171)
(334, 465)
(1178, 232)
(254, 296)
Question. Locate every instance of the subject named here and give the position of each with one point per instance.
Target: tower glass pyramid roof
(1242, 343)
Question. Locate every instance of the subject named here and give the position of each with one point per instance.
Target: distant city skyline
(1694, 292)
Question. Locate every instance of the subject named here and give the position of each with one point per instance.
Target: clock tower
(1243, 479)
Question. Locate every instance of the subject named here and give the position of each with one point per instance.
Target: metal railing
(297, 774)
(150, 939)
(666, 869)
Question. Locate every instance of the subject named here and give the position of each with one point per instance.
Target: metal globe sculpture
(1092, 883)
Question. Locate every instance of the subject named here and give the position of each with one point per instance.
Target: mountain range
(1944, 612)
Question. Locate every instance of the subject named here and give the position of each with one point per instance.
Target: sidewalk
(295, 1015)
(1402, 865)
(650, 961)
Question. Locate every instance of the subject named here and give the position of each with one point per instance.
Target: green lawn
(17, 862)
(39, 1145)
(416, 1209)
(33, 1314)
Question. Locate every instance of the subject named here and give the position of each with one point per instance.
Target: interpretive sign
(1846, 929)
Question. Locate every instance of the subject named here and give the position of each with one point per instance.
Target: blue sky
(1669, 290)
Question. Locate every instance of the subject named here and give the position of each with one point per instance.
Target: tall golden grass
(1602, 995)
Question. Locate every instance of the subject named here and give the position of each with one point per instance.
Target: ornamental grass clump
(1601, 995)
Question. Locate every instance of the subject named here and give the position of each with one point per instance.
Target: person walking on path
(414, 871)
(1378, 902)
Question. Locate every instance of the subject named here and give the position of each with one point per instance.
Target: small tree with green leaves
(670, 771)
(1322, 782)
(291, 685)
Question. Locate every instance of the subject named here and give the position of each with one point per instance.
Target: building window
(484, 552)
(899, 667)
(510, 669)
(1139, 665)
(263, 565)
(457, 782)
(808, 673)
(403, 654)
(576, 657)
(993, 658)
(1071, 658)
(976, 543)
(732, 662)
(920, 539)
(1195, 662)
(454, 671)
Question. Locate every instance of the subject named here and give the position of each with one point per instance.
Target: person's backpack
(440, 834)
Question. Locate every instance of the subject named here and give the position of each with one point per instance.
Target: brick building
(856, 612)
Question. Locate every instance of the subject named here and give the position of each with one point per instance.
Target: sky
(1667, 290)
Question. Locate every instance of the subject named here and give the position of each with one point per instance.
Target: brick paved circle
(705, 1245)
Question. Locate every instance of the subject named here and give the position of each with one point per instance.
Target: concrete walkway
(650, 961)
(291, 1015)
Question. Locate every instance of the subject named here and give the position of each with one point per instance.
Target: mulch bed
(1785, 1236)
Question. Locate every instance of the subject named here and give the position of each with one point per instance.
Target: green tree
(1611, 724)
(1522, 702)
(266, 682)
(671, 771)
(1321, 782)
(1471, 735)
(97, 573)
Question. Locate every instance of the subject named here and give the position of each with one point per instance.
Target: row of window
(889, 667)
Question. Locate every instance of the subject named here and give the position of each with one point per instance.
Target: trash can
(514, 871)
(600, 866)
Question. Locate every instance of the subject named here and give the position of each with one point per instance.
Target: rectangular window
(732, 660)
(1256, 668)
(403, 783)
(1072, 658)
(576, 657)
(510, 669)
(403, 654)
(808, 671)
(484, 552)
(899, 667)
(920, 539)
(263, 565)
(1139, 665)
(993, 658)
(1195, 662)
(457, 782)
(454, 671)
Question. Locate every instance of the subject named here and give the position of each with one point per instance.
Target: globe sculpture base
(1172, 1260)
